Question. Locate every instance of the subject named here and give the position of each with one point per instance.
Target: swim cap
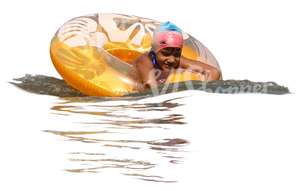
(167, 35)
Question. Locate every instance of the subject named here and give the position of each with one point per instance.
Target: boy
(155, 66)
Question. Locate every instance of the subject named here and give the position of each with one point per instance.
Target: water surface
(171, 141)
(133, 137)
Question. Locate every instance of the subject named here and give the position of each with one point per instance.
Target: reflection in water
(133, 138)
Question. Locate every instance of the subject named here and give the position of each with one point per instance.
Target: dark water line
(47, 85)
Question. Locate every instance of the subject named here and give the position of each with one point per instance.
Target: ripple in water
(128, 137)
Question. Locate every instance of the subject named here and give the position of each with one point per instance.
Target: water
(133, 137)
(173, 141)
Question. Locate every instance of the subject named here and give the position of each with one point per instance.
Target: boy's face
(169, 58)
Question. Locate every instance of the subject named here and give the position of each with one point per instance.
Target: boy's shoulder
(143, 59)
(143, 56)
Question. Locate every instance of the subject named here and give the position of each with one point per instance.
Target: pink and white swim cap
(167, 35)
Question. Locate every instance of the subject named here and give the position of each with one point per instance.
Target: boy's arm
(146, 71)
(210, 72)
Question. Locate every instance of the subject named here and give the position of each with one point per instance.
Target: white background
(256, 40)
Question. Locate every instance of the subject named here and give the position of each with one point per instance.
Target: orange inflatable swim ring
(94, 53)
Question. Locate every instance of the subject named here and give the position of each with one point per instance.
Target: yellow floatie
(94, 53)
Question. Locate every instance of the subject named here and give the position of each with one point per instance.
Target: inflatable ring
(94, 53)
